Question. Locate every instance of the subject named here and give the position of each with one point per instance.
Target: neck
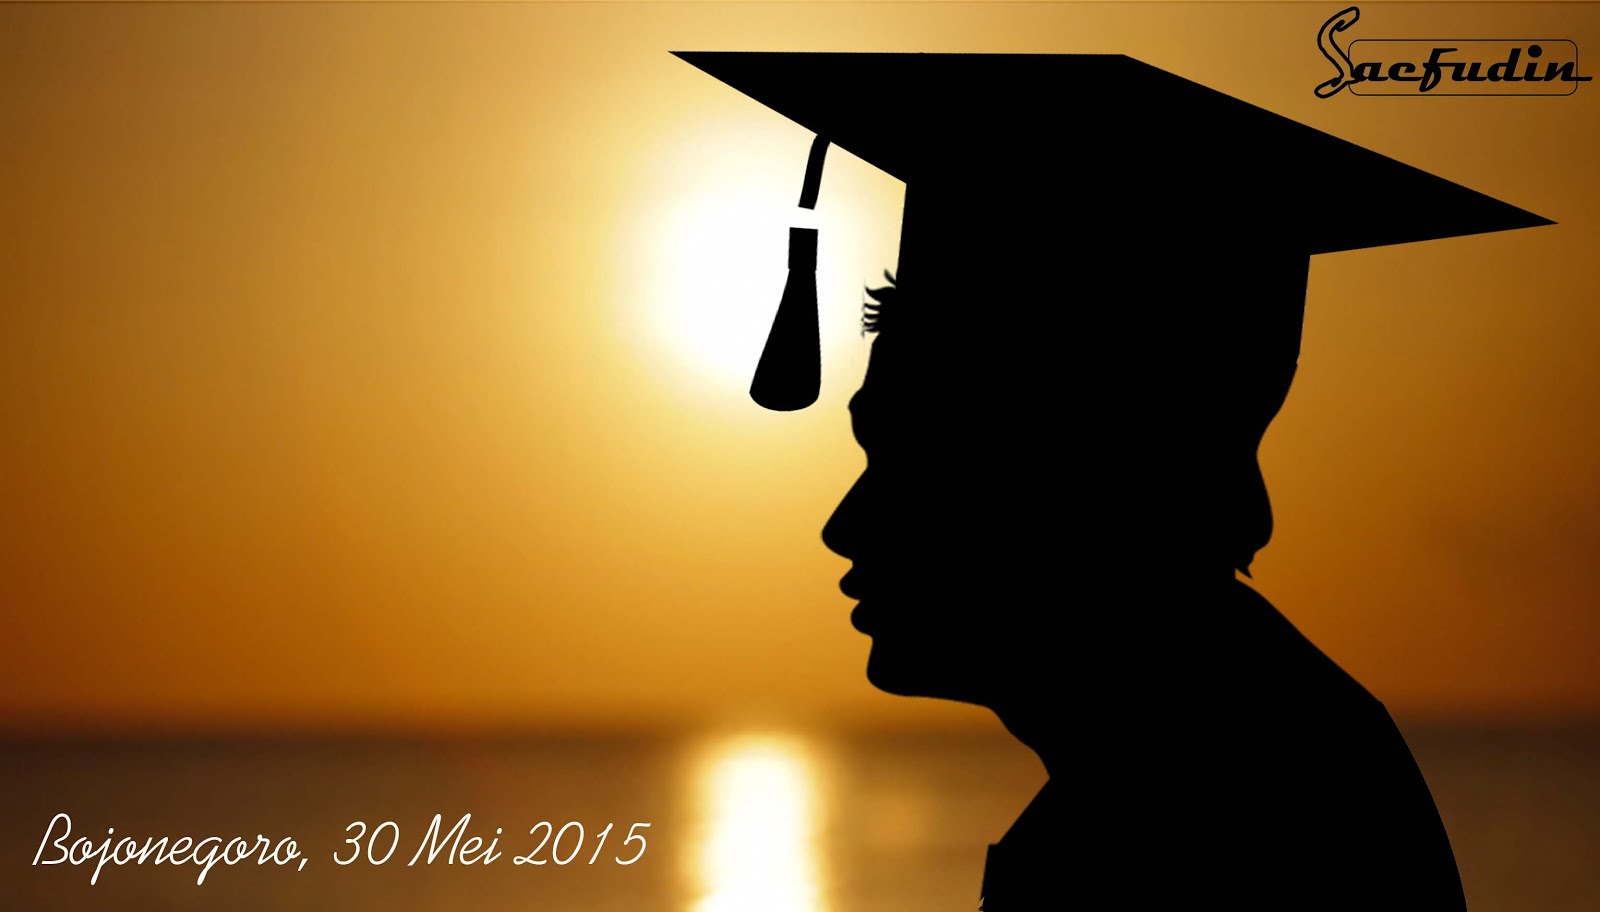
(1119, 652)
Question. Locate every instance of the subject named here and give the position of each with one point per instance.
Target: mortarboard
(1113, 227)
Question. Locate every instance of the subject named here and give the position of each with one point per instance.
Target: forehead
(889, 374)
(955, 376)
(908, 391)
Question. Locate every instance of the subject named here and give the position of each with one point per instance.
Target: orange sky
(344, 380)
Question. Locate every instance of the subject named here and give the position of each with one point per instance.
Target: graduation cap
(1121, 228)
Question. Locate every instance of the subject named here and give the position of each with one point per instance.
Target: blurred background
(374, 443)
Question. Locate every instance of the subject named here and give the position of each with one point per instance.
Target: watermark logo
(1443, 66)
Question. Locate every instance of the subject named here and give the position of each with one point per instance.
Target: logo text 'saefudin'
(1439, 66)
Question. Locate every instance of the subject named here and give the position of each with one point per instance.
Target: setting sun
(721, 265)
(711, 247)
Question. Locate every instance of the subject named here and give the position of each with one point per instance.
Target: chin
(921, 673)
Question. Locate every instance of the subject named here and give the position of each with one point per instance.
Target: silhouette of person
(1096, 314)
(1198, 746)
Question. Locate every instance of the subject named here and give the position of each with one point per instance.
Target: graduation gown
(1248, 773)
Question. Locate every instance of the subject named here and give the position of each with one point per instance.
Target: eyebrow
(862, 411)
(864, 405)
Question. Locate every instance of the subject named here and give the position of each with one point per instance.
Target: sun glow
(759, 850)
(722, 261)
(712, 244)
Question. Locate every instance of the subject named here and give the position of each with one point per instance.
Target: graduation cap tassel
(789, 374)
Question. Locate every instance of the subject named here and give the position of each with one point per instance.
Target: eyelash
(872, 311)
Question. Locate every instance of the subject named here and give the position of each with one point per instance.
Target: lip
(864, 617)
(851, 585)
(861, 618)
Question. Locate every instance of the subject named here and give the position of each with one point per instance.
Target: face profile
(939, 535)
(907, 552)
(1010, 487)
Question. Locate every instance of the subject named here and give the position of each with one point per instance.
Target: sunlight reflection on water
(772, 822)
(762, 806)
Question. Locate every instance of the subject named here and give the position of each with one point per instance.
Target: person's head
(1017, 466)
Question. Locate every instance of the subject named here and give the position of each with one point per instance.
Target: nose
(843, 532)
